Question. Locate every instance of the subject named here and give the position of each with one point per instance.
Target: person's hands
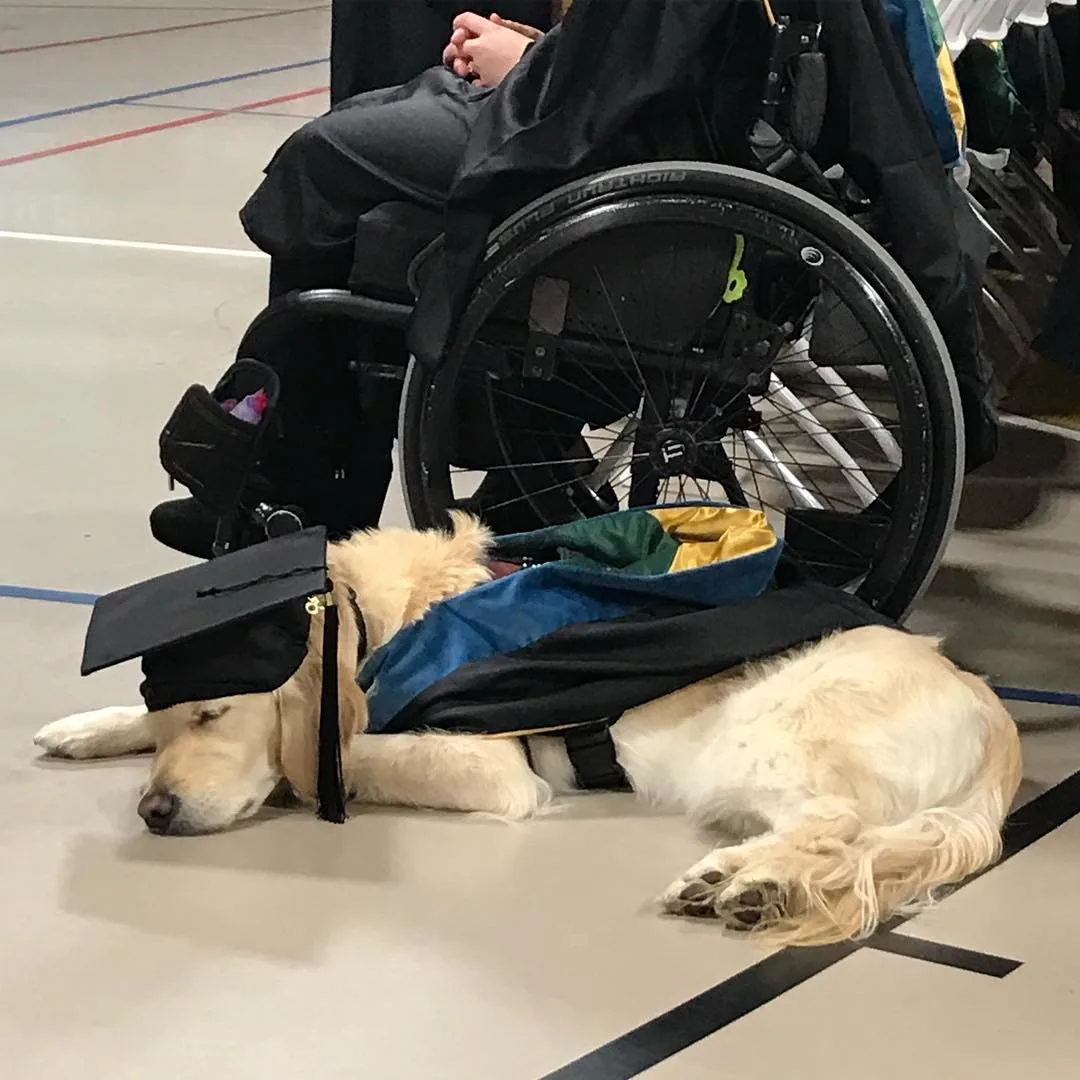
(452, 55)
(522, 28)
(486, 49)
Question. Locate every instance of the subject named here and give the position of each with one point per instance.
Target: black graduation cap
(237, 624)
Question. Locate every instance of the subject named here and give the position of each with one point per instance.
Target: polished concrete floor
(402, 946)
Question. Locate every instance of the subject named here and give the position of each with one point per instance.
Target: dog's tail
(843, 878)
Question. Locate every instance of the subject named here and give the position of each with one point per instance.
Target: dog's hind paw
(710, 893)
(98, 734)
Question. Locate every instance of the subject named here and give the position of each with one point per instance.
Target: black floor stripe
(631, 1054)
(655, 1041)
(1041, 816)
(947, 955)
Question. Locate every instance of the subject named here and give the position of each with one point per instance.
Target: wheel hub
(674, 451)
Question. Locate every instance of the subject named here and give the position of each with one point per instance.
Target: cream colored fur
(860, 773)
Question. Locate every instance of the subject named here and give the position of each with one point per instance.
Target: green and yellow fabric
(917, 26)
(650, 542)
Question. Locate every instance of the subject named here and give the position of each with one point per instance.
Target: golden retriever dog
(854, 775)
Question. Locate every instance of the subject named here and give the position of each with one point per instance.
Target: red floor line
(182, 121)
(158, 30)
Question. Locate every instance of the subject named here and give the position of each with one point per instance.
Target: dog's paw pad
(712, 894)
(694, 891)
(753, 909)
(752, 898)
(696, 894)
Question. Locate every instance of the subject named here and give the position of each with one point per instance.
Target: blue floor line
(129, 99)
(1038, 697)
(53, 596)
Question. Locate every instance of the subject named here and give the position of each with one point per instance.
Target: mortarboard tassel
(330, 783)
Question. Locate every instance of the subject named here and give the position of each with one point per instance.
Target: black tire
(928, 497)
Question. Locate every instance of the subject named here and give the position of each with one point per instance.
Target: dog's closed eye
(208, 716)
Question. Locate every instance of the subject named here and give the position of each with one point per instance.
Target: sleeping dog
(854, 775)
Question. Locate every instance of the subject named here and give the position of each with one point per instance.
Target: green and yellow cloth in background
(917, 26)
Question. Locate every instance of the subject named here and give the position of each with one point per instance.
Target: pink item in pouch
(249, 409)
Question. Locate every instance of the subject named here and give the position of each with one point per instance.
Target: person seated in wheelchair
(510, 115)
(389, 145)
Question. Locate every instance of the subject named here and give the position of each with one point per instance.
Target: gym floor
(404, 945)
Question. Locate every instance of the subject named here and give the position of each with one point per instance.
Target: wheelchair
(656, 334)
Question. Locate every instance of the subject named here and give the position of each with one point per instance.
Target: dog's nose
(157, 809)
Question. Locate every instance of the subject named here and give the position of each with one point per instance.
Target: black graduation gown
(399, 143)
(590, 672)
(611, 81)
(397, 129)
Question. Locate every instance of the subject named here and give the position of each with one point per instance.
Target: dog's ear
(394, 575)
(298, 707)
(298, 704)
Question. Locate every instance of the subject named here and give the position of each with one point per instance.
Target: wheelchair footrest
(211, 442)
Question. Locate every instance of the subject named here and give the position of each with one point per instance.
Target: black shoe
(185, 526)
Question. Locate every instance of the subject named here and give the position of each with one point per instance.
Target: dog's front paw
(102, 733)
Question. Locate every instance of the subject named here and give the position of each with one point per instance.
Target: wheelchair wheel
(683, 333)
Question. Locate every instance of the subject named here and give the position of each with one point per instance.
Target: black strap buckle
(591, 750)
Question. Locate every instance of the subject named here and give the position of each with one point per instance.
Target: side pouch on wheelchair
(212, 440)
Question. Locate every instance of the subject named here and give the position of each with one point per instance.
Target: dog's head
(218, 761)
